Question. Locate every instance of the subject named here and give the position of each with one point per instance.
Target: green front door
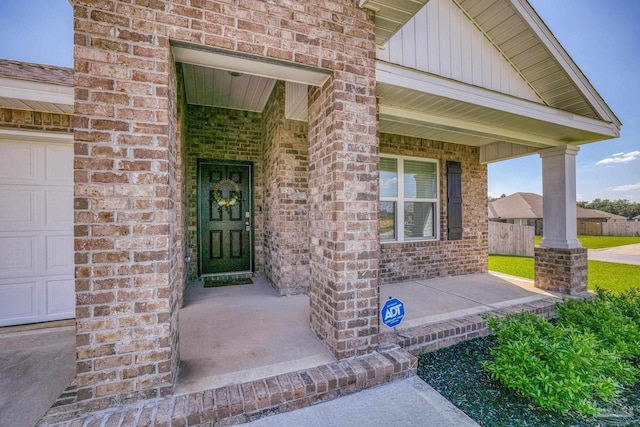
(224, 217)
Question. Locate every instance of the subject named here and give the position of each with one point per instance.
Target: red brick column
(561, 270)
(343, 187)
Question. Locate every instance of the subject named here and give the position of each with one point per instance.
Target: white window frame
(400, 199)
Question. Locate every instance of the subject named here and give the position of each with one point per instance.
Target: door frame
(199, 200)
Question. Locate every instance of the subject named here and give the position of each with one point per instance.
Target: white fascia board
(36, 91)
(247, 64)
(447, 88)
(33, 135)
(564, 60)
(465, 127)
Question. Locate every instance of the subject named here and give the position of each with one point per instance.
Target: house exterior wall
(222, 134)
(285, 208)
(427, 259)
(35, 120)
(127, 164)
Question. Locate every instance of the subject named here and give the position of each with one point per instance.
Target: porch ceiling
(219, 78)
(213, 87)
(427, 106)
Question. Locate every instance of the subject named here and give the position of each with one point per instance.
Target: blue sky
(602, 37)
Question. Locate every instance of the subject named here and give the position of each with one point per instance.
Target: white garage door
(36, 231)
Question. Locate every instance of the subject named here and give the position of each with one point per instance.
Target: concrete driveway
(36, 365)
(627, 254)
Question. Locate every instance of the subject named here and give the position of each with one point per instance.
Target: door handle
(247, 221)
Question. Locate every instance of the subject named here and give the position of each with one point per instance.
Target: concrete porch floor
(240, 333)
(247, 352)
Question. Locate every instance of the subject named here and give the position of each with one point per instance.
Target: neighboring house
(526, 209)
(327, 147)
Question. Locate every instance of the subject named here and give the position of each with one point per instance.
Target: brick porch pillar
(343, 203)
(127, 201)
(560, 260)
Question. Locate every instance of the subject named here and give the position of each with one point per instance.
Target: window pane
(419, 179)
(419, 219)
(387, 220)
(388, 177)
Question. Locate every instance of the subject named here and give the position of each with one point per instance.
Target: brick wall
(222, 134)
(561, 270)
(426, 259)
(35, 120)
(343, 205)
(286, 213)
(127, 164)
(126, 205)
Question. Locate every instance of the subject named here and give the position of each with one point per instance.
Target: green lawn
(599, 242)
(608, 275)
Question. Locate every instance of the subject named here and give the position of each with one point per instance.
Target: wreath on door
(226, 202)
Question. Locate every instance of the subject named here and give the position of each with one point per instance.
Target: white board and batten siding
(440, 39)
(36, 229)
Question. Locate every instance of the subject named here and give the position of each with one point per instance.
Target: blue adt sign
(392, 312)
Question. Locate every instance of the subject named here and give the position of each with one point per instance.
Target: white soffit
(246, 64)
(36, 96)
(564, 60)
(403, 88)
(212, 87)
(391, 15)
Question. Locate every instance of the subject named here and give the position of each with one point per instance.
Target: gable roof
(490, 74)
(529, 206)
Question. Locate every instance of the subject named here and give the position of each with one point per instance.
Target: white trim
(464, 127)
(564, 60)
(31, 135)
(248, 64)
(36, 91)
(428, 83)
(400, 199)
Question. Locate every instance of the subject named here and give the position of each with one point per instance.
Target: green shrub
(562, 368)
(613, 319)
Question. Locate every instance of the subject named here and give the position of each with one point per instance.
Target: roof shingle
(36, 72)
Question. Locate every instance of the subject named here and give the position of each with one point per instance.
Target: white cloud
(628, 187)
(620, 158)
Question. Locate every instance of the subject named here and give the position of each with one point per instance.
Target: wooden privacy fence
(590, 228)
(628, 228)
(510, 239)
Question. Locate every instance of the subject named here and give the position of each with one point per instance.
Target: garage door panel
(58, 208)
(60, 297)
(18, 163)
(59, 253)
(59, 164)
(18, 255)
(17, 208)
(18, 300)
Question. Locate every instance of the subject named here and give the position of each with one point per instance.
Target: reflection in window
(408, 198)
